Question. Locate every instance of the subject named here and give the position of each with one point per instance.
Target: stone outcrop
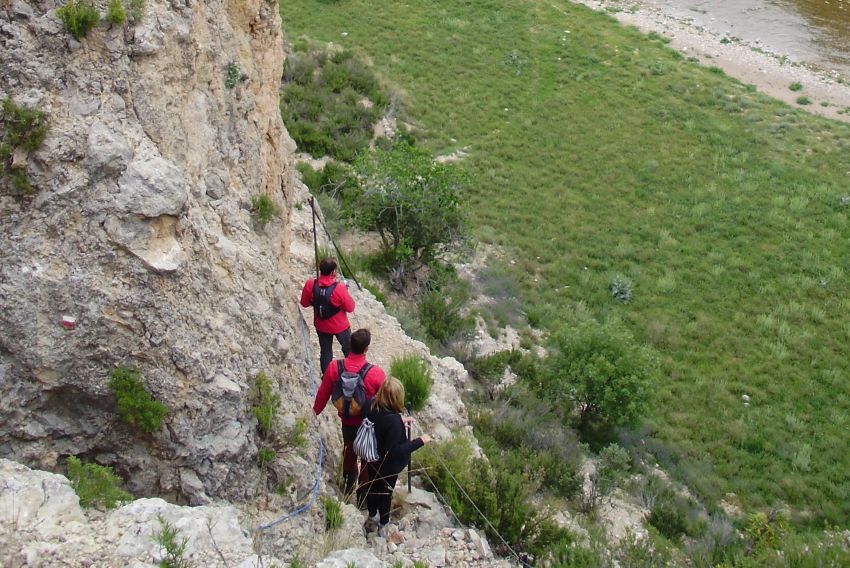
(140, 232)
(42, 525)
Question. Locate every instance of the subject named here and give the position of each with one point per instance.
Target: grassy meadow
(598, 151)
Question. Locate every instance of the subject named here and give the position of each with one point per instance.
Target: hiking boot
(370, 526)
(386, 530)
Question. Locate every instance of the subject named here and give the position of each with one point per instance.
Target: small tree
(412, 201)
(600, 369)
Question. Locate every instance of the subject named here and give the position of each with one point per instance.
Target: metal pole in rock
(409, 433)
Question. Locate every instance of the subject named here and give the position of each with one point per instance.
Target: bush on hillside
(332, 178)
(599, 369)
(611, 470)
(501, 493)
(441, 317)
(411, 201)
(266, 403)
(96, 485)
(524, 430)
(329, 103)
(136, 405)
(115, 13)
(415, 374)
(79, 17)
(264, 209)
(23, 127)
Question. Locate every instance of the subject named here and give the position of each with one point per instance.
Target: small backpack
(365, 443)
(349, 394)
(322, 300)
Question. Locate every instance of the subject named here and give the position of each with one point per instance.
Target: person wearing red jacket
(331, 303)
(372, 381)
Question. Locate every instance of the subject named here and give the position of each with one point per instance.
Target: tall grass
(600, 153)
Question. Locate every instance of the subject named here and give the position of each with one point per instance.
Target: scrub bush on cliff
(412, 201)
(602, 371)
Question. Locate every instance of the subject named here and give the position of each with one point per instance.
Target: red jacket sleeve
(307, 293)
(326, 388)
(341, 298)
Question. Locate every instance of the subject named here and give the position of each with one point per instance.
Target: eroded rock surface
(140, 231)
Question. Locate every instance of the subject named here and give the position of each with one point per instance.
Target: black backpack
(322, 300)
(349, 394)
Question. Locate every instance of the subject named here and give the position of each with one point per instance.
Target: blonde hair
(390, 395)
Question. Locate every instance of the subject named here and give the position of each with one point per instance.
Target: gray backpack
(349, 394)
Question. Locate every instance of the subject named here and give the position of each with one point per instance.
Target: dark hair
(327, 266)
(360, 340)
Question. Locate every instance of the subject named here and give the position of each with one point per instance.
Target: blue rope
(315, 491)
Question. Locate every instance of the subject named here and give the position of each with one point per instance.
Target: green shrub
(408, 198)
(265, 456)
(611, 470)
(136, 406)
(490, 369)
(501, 493)
(115, 13)
(24, 127)
(669, 520)
(601, 370)
(322, 103)
(796, 86)
(520, 423)
(634, 552)
(137, 11)
(232, 77)
(96, 485)
(20, 182)
(264, 209)
(375, 290)
(621, 289)
(415, 374)
(441, 317)
(174, 550)
(804, 100)
(79, 17)
(266, 403)
(297, 436)
(332, 178)
(333, 513)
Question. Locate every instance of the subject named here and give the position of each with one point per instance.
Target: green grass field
(598, 151)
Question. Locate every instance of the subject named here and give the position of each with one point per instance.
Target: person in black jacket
(393, 448)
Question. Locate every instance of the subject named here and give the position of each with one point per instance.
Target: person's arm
(325, 389)
(342, 299)
(401, 446)
(307, 294)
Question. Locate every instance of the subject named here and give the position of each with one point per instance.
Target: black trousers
(379, 499)
(326, 346)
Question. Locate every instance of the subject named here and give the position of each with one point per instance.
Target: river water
(813, 31)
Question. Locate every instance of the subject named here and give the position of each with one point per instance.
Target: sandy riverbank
(749, 62)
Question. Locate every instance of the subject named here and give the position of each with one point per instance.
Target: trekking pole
(341, 257)
(315, 240)
(409, 433)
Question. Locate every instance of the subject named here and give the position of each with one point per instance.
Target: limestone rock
(343, 559)
(151, 186)
(122, 237)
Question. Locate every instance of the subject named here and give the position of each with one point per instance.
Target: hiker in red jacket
(372, 379)
(331, 302)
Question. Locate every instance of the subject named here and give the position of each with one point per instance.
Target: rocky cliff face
(140, 230)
